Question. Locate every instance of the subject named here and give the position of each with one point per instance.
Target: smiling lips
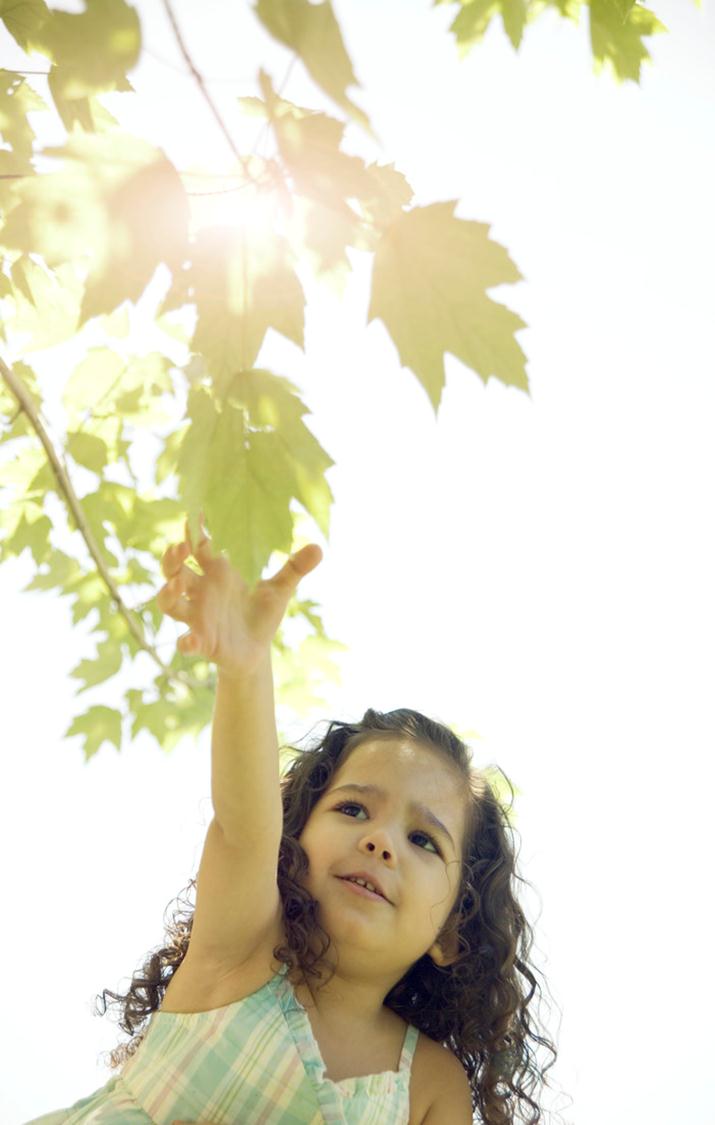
(358, 889)
(366, 877)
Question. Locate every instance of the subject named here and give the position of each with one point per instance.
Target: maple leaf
(617, 33)
(117, 202)
(429, 286)
(262, 456)
(243, 283)
(618, 27)
(312, 31)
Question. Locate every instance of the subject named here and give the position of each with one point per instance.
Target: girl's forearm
(245, 779)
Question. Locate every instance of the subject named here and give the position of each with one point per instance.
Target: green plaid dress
(254, 1061)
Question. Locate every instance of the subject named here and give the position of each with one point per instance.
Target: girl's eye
(357, 805)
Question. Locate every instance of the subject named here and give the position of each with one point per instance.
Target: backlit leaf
(116, 203)
(98, 725)
(91, 50)
(323, 181)
(24, 20)
(312, 31)
(262, 457)
(17, 99)
(93, 672)
(243, 283)
(46, 304)
(87, 450)
(429, 286)
(617, 36)
(617, 27)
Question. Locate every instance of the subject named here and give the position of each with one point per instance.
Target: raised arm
(234, 626)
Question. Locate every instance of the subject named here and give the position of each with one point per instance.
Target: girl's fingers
(172, 559)
(175, 598)
(203, 535)
(298, 565)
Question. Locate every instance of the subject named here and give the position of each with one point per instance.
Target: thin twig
(26, 404)
(216, 79)
(202, 86)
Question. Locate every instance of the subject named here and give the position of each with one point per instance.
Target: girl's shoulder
(441, 1087)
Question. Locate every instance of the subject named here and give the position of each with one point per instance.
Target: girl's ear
(445, 950)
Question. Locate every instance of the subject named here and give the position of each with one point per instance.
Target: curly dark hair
(479, 1005)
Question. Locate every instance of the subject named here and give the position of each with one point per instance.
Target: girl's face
(389, 833)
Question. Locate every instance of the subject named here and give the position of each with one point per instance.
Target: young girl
(356, 954)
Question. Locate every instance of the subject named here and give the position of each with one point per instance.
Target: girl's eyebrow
(415, 806)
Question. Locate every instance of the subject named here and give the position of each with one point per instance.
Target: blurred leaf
(93, 672)
(323, 181)
(116, 203)
(24, 19)
(47, 303)
(88, 450)
(91, 50)
(312, 31)
(617, 33)
(17, 99)
(618, 27)
(98, 725)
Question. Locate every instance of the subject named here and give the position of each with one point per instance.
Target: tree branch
(202, 86)
(26, 404)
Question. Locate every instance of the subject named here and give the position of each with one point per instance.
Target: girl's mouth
(362, 890)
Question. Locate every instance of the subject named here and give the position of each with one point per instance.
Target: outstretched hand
(229, 623)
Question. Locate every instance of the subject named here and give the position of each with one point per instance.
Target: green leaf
(623, 7)
(61, 571)
(17, 99)
(87, 450)
(98, 725)
(93, 50)
(172, 717)
(388, 195)
(33, 532)
(273, 407)
(117, 203)
(87, 113)
(47, 304)
(324, 179)
(429, 286)
(618, 27)
(309, 145)
(262, 457)
(617, 33)
(312, 31)
(25, 19)
(472, 21)
(93, 672)
(514, 17)
(243, 283)
(58, 215)
(94, 383)
(303, 673)
(104, 384)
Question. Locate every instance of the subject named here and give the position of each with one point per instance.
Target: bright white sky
(537, 570)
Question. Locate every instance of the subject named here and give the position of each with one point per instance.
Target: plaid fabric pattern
(254, 1061)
